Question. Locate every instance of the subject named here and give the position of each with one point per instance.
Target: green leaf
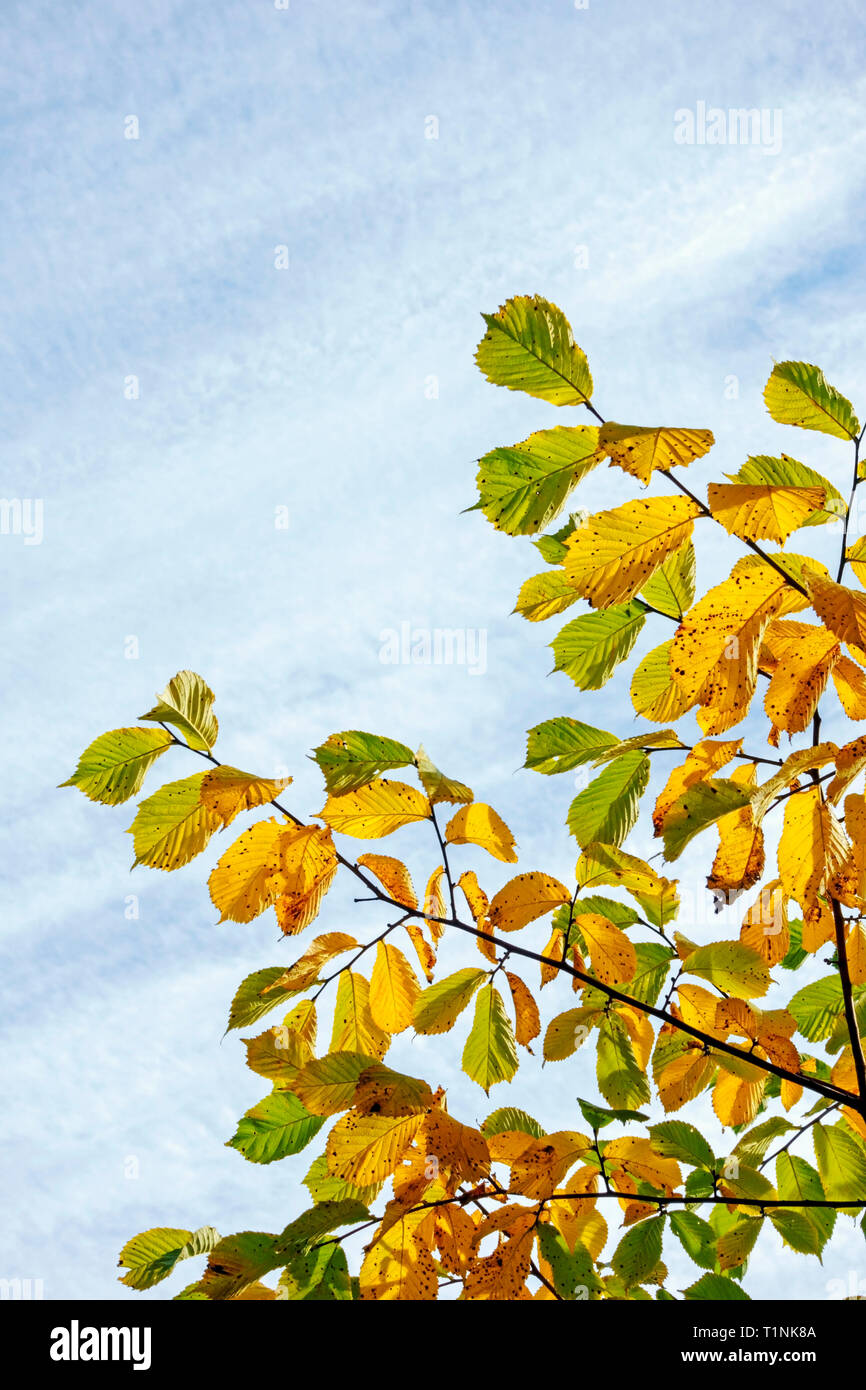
(490, 1054)
(788, 472)
(798, 393)
(529, 347)
(438, 1007)
(251, 1003)
(438, 787)
(817, 1006)
(753, 1145)
(621, 1081)
(699, 807)
(522, 488)
(653, 964)
(279, 1125)
(112, 768)
(151, 1256)
(796, 1230)
(544, 595)
(597, 1117)
(795, 954)
(654, 693)
(841, 1162)
(696, 1236)
(608, 808)
(319, 1275)
(560, 745)
(717, 1289)
(672, 588)
(172, 826)
(507, 1118)
(325, 1186)
(679, 1140)
(318, 1221)
(592, 646)
(571, 1272)
(236, 1262)
(639, 1251)
(352, 759)
(187, 703)
(552, 548)
(619, 913)
(796, 1178)
(732, 967)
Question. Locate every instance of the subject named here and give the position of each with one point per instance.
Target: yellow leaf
(393, 989)
(705, 759)
(542, 1166)
(654, 692)
(502, 1276)
(455, 1233)
(765, 925)
(248, 877)
(523, 899)
(638, 1158)
(172, 827)
(398, 1266)
(306, 970)
(423, 950)
(735, 1100)
(850, 762)
(683, 1078)
(613, 554)
(850, 683)
(812, 846)
(739, 861)
(553, 951)
(479, 904)
(309, 866)
(856, 557)
(714, 657)
(437, 786)
(481, 825)
(434, 903)
(641, 450)
(187, 703)
(855, 949)
(227, 792)
(354, 1028)
(805, 657)
(612, 954)
(456, 1152)
(375, 810)
(527, 1018)
(763, 511)
(367, 1149)
(393, 876)
(841, 610)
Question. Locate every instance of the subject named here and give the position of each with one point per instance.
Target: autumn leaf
(527, 1018)
(438, 787)
(759, 511)
(393, 876)
(351, 760)
(641, 450)
(481, 825)
(611, 557)
(227, 791)
(611, 952)
(523, 899)
(393, 989)
(374, 810)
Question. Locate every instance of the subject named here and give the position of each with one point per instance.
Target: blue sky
(341, 388)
